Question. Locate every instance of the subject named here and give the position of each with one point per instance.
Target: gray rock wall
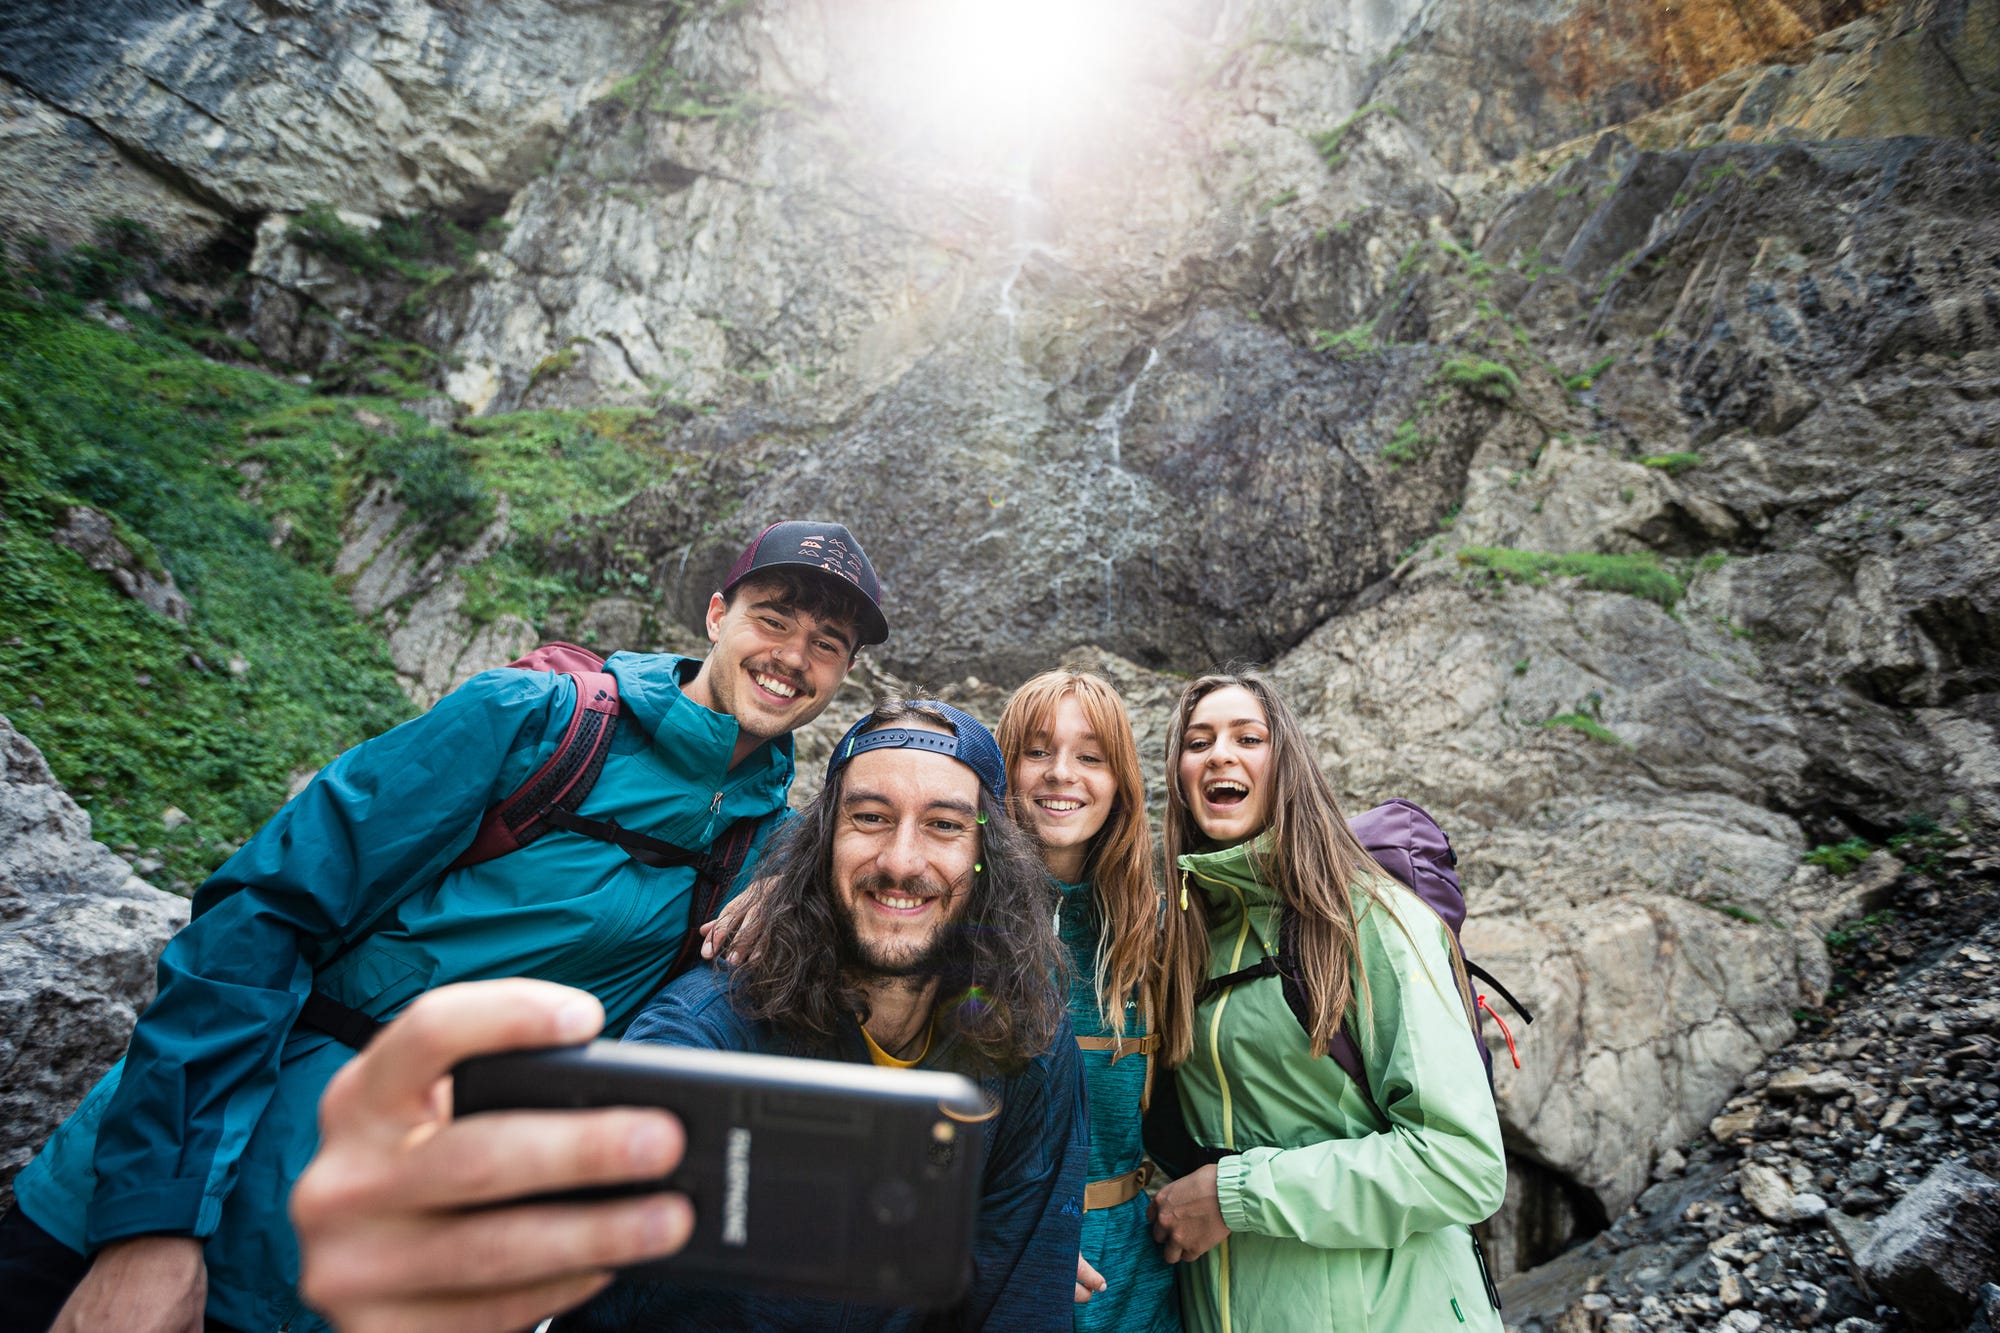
(79, 935)
(190, 116)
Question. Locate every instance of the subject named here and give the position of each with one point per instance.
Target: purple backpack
(1408, 843)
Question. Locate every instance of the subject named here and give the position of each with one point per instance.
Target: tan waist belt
(1119, 1189)
(1120, 1047)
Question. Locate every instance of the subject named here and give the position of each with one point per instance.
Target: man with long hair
(907, 924)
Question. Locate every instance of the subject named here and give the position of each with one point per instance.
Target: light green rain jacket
(1339, 1221)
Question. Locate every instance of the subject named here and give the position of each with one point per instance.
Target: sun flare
(978, 75)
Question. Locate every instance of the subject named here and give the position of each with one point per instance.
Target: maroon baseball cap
(826, 547)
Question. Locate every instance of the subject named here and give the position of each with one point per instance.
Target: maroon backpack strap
(559, 784)
(719, 870)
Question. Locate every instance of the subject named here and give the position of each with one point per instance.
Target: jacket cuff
(170, 1208)
(1232, 1178)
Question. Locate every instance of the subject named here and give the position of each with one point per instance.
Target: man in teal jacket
(174, 1172)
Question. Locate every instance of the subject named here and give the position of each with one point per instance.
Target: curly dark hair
(1002, 962)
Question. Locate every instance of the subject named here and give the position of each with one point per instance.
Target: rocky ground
(1851, 1184)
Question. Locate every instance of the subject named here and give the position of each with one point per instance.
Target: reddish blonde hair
(1120, 862)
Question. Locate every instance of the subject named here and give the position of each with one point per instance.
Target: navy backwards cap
(973, 746)
(826, 547)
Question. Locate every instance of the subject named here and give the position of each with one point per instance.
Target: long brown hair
(1311, 855)
(1120, 862)
(998, 988)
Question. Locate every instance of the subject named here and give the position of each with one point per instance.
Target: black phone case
(808, 1177)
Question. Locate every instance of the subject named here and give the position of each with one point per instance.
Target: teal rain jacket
(1338, 1219)
(212, 1115)
(1139, 1285)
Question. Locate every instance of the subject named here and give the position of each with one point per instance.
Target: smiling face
(1225, 765)
(906, 837)
(774, 668)
(1064, 788)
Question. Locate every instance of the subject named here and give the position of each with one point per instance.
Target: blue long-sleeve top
(1030, 1202)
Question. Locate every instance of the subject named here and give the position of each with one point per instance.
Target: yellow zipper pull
(1184, 875)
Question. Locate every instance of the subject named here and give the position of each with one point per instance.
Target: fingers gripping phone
(810, 1177)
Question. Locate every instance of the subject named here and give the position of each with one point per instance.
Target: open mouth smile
(1058, 805)
(1225, 792)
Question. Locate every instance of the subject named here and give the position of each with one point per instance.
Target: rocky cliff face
(196, 118)
(79, 935)
(1588, 408)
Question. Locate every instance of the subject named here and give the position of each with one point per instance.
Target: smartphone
(808, 1177)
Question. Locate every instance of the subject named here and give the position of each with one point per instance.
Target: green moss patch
(1640, 575)
(1328, 143)
(1672, 464)
(1490, 380)
(271, 674)
(1842, 858)
(1589, 726)
(235, 481)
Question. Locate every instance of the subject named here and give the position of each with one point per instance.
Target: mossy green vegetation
(1583, 379)
(1640, 575)
(1356, 341)
(1719, 904)
(421, 252)
(1842, 858)
(1858, 933)
(424, 248)
(136, 713)
(1406, 445)
(1328, 142)
(1672, 464)
(1919, 843)
(1589, 726)
(235, 481)
(1491, 380)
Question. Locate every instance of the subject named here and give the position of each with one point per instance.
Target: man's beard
(932, 958)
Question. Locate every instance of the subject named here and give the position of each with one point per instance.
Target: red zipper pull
(1505, 1031)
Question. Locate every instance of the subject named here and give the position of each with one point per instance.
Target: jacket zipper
(1222, 1082)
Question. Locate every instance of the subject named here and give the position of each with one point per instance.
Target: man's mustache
(790, 678)
(919, 886)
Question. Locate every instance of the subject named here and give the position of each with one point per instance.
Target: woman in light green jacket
(1323, 1213)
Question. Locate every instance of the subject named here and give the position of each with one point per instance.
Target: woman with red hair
(1074, 781)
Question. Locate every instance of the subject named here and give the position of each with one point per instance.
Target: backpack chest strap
(1267, 966)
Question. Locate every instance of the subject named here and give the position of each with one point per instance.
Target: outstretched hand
(1187, 1216)
(384, 1240)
